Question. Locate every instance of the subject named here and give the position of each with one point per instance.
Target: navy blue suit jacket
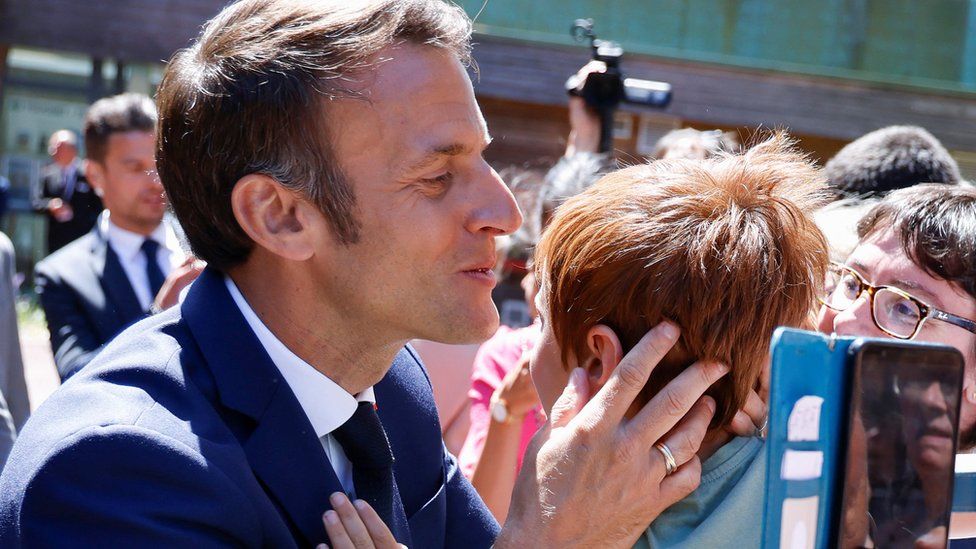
(87, 300)
(182, 433)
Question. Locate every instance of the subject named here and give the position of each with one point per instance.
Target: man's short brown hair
(725, 247)
(127, 112)
(250, 97)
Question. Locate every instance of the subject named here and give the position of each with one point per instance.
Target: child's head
(723, 247)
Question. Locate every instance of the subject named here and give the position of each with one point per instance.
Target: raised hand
(592, 477)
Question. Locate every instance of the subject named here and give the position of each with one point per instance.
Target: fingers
(348, 520)
(684, 481)
(612, 401)
(378, 531)
(755, 408)
(750, 418)
(686, 437)
(741, 425)
(671, 404)
(520, 369)
(337, 534)
(571, 401)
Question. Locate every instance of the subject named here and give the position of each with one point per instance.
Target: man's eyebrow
(861, 268)
(440, 151)
(909, 286)
(918, 290)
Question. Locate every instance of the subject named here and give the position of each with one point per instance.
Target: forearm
(494, 476)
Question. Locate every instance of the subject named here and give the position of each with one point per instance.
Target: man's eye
(442, 179)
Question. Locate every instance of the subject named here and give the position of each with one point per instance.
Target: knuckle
(705, 373)
(674, 402)
(631, 375)
(586, 434)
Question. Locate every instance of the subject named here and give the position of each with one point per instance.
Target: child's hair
(725, 247)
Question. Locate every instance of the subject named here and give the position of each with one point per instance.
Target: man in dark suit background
(116, 273)
(325, 159)
(64, 194)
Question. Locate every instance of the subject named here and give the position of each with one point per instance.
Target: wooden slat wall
(834, 109)
(531, 74)
(131, 30)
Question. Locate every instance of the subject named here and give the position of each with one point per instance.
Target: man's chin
(468, 330)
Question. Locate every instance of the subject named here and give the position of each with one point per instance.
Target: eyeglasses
(893, 310)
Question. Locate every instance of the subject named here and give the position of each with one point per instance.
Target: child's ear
(604, 354)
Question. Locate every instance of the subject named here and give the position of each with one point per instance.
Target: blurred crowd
(724, 237)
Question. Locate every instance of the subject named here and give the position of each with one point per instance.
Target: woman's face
(881, 259)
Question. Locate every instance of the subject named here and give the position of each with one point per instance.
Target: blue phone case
(794, 353)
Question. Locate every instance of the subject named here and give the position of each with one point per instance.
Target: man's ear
(95, 174)
(604, 354)
(276, 218)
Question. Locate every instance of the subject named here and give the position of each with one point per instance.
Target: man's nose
(934, 397)
(856, 319)
(495, 209)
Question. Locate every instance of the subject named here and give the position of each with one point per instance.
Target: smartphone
(902, 431)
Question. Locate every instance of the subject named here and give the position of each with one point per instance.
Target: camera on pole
(605, 91)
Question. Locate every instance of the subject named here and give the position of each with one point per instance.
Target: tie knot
(364, 440)
(150, 247)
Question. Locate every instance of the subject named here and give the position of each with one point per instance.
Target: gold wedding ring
(670, 465)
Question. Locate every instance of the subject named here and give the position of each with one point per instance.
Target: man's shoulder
(136, 390)
(50, 170)
(144, 367)
(64, 262)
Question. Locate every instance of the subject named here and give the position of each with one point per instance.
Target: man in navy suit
(325, 159)
(111, 277)
(64, 194)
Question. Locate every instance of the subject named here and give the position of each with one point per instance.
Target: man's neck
(354, 357)
(137, 228)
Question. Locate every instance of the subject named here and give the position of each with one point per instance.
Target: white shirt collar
(326, 404)
(128, 244)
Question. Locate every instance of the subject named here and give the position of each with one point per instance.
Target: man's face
(927, 428)
(127, 180)
(882, 261)
(428, 204)
(62, 152)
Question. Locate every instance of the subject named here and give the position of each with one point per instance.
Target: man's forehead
(882, 259)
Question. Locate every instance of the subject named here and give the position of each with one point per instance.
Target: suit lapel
(283, 451)
(115, 283)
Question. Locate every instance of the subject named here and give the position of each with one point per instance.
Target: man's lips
(480, 272)
(939, 428)
(479, 267)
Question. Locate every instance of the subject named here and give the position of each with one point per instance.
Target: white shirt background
(326, 404)
(128, 246)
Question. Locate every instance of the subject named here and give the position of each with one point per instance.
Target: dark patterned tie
(156, 277)
(365, 444)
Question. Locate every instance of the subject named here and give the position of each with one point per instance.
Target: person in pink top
(505, 411)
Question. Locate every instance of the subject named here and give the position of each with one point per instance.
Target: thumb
(571, 401)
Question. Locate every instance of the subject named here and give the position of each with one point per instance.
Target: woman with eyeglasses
(913, 276)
